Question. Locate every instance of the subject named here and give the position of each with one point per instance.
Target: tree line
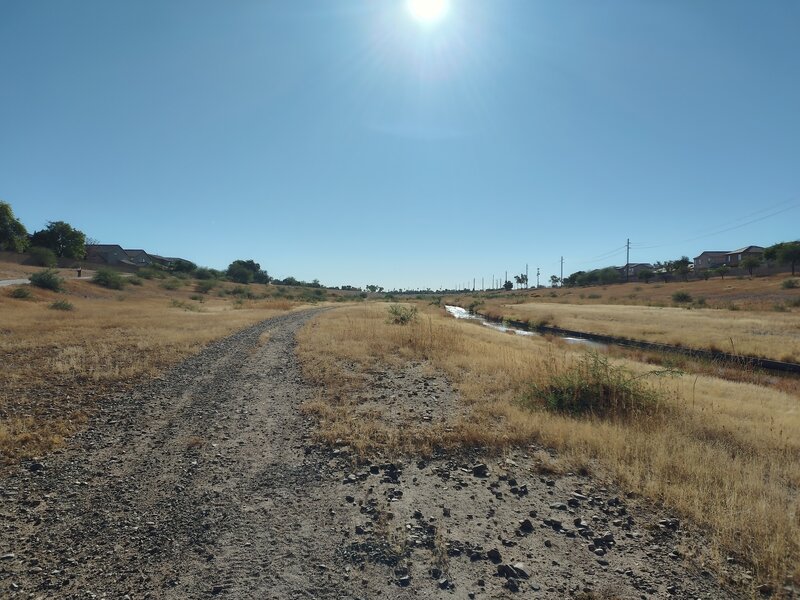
(782, 253)
(61, 240)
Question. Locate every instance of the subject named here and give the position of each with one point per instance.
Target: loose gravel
(207, 483)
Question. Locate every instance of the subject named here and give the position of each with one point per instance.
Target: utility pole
(473, 284)
(483, 289)
(506, 279)
(561, 283)
(526, 276)
(627, 259)
(537, 278)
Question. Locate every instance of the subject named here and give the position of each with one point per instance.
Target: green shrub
(152, 273)
(21, 293)
(789, 284)
(184, 305)
(48, 280)
(203, 273)
(197, 298)
(595, 387)
(135, 280)
(206, 285)
(402, 315)
(62, 305)
(43, 257)
(109, 278)
(172, 284)
(681, 297)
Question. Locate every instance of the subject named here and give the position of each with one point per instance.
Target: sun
(428, 12)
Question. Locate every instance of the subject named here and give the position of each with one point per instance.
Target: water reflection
(463, 313)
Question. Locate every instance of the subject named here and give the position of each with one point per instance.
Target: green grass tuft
(595, 387)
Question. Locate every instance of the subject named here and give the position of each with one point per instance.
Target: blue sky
(345, 141)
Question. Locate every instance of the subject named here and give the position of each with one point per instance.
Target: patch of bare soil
(414, 395)
(206, 483)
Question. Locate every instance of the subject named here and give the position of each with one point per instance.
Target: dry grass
(725, 454)
(768, 334)
(760, 293)
(57, 364)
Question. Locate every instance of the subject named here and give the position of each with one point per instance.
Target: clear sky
(346, 140)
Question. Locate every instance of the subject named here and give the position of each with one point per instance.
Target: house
(139, 257)
(110, 254)
(164, 261)
(113, 254)
(732, 259)
(631, 270)
(710, 259)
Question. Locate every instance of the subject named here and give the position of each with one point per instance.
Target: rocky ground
(206, 483)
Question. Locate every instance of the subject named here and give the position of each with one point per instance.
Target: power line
(604, 256)
(750, 221)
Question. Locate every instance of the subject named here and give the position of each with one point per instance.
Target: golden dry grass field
(58, 363)
(755, 333)
(765, 322)
(12, 267)
(724, 454)
(743, 293)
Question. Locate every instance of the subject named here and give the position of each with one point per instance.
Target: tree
(61, 238)
(609, 275)
(43, 257)
(239, 274)
(518, 279)
(750, 263)
(13, 235)
(573, 279)
(664, 269)
(587, 277)
(374, 288)
(722, 270)
(646, 275)
(681, 267)
(183, 266)
(554, 280)
(245, 271)
(789, 252)
(508, 286)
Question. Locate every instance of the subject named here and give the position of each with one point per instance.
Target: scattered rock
(480, 470)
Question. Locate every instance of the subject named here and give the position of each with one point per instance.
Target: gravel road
(206, 483)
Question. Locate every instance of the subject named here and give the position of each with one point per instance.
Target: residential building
(710, 259)
(110, 254)
(732, 259)
(631, 270)
(139, 257)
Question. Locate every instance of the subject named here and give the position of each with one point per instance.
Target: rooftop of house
(103, 246)
(747, 249)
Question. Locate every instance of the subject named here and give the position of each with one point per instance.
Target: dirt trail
(205, 483)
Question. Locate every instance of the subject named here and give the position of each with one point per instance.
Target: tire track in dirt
(197, 484)
(206, 483)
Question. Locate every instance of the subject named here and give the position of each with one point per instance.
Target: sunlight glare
(428, 11)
